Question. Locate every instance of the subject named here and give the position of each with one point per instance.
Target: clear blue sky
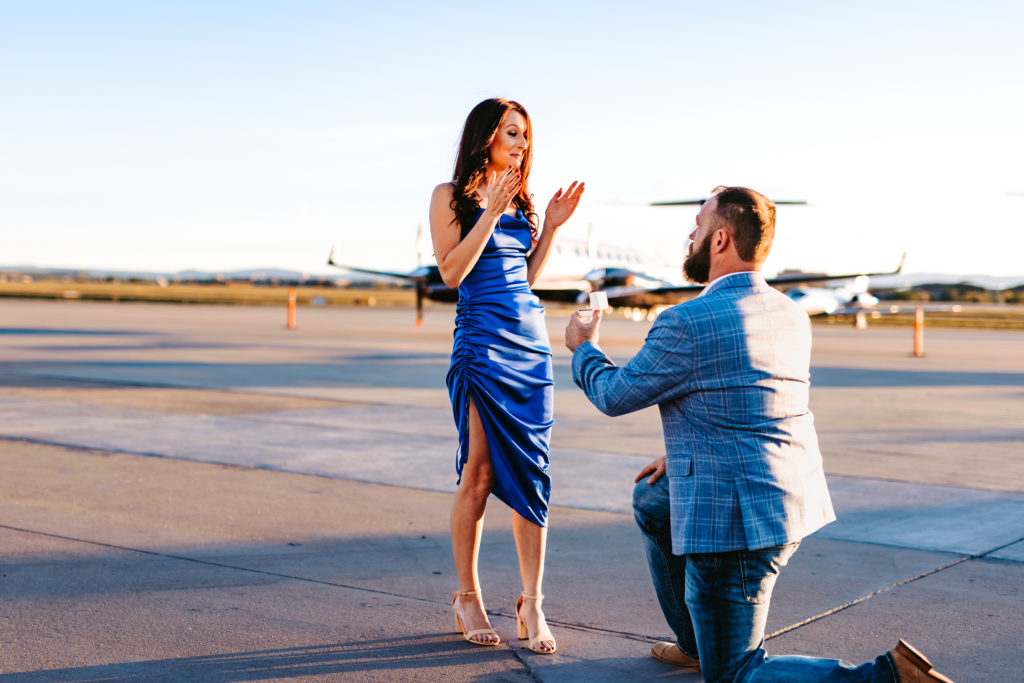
(224, 135)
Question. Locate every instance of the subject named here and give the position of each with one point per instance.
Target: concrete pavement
(295, 521)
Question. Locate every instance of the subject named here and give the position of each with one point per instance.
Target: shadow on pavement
(33, 331)
(421, 652)
(425, 371)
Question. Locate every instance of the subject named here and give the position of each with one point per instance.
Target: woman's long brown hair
(471, 164)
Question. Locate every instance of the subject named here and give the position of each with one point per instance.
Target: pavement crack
(868, 596)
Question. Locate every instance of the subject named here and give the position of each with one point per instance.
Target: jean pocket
(759, 570)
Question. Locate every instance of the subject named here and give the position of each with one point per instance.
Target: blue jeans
(717, 605)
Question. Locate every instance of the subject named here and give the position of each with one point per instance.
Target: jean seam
(892, 667)
(743, 558)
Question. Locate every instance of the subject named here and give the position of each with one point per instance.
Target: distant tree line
(959, 293)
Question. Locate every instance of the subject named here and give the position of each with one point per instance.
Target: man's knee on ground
(651, 503)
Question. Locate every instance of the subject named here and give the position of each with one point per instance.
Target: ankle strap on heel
(533, 597)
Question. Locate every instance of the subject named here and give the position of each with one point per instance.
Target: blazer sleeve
(658, 373)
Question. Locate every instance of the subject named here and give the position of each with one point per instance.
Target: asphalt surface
(196, 493)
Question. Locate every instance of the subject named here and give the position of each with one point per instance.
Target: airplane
(575, 268)
(852, 298)
(561, 282)
(833, 300)
(814, 300)
(628, 287)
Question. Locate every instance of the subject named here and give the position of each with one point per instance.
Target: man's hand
(577, 331)
(656, 469)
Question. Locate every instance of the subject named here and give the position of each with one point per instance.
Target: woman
(486, 242)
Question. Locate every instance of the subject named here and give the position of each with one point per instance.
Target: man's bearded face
(697, 264)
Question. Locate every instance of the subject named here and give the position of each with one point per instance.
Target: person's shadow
(425, 652)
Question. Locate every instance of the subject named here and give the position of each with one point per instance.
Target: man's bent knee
(651, 502)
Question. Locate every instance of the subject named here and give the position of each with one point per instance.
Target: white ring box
(598, 302)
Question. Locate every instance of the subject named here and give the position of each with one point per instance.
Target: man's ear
(720, 241)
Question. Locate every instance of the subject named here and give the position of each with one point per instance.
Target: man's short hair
(750, 216)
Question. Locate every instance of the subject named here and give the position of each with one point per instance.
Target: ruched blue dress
(501, 359)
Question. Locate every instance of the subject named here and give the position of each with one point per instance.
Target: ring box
(598, 302)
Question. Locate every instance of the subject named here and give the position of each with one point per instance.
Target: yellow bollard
(291, 308)
(918, 332)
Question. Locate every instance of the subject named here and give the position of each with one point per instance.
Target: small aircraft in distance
(853, 297)
(575, 268)
(627, 286)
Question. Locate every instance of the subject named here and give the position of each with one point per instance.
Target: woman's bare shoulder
(444, 191)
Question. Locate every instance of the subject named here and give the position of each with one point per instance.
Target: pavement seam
(193, 387)
(14, 438)
(997, 549)
(868, 596)
(105, 382)
(211, 563)
(334, 584)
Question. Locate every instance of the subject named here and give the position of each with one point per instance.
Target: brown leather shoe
(671, 654)
(914, 667)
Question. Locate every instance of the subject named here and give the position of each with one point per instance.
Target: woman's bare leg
(467, 521)
(531, 542)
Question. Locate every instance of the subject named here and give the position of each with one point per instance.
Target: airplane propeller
(699, 201)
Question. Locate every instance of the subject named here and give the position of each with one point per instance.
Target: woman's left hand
(562, 205)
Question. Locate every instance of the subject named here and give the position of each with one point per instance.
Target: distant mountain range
(254, 274)
(907, 280)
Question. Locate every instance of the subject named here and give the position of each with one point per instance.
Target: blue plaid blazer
(730, 372)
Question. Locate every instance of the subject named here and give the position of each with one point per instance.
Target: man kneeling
(730, 372)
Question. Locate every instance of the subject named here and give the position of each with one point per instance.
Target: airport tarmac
(197, 493)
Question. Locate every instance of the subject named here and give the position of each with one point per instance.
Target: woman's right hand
(502, 187)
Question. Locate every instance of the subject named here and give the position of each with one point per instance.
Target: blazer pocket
(679, 466)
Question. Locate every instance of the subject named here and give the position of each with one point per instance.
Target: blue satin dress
(501, 359)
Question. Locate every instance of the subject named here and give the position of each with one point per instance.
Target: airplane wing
(639, 296)
(427, 280)
(800, 278)
(418, 275)
(564, 291)
(648, 296)
(385, 273)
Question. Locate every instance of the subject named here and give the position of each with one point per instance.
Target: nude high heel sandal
(524, 633)
(468, 635)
